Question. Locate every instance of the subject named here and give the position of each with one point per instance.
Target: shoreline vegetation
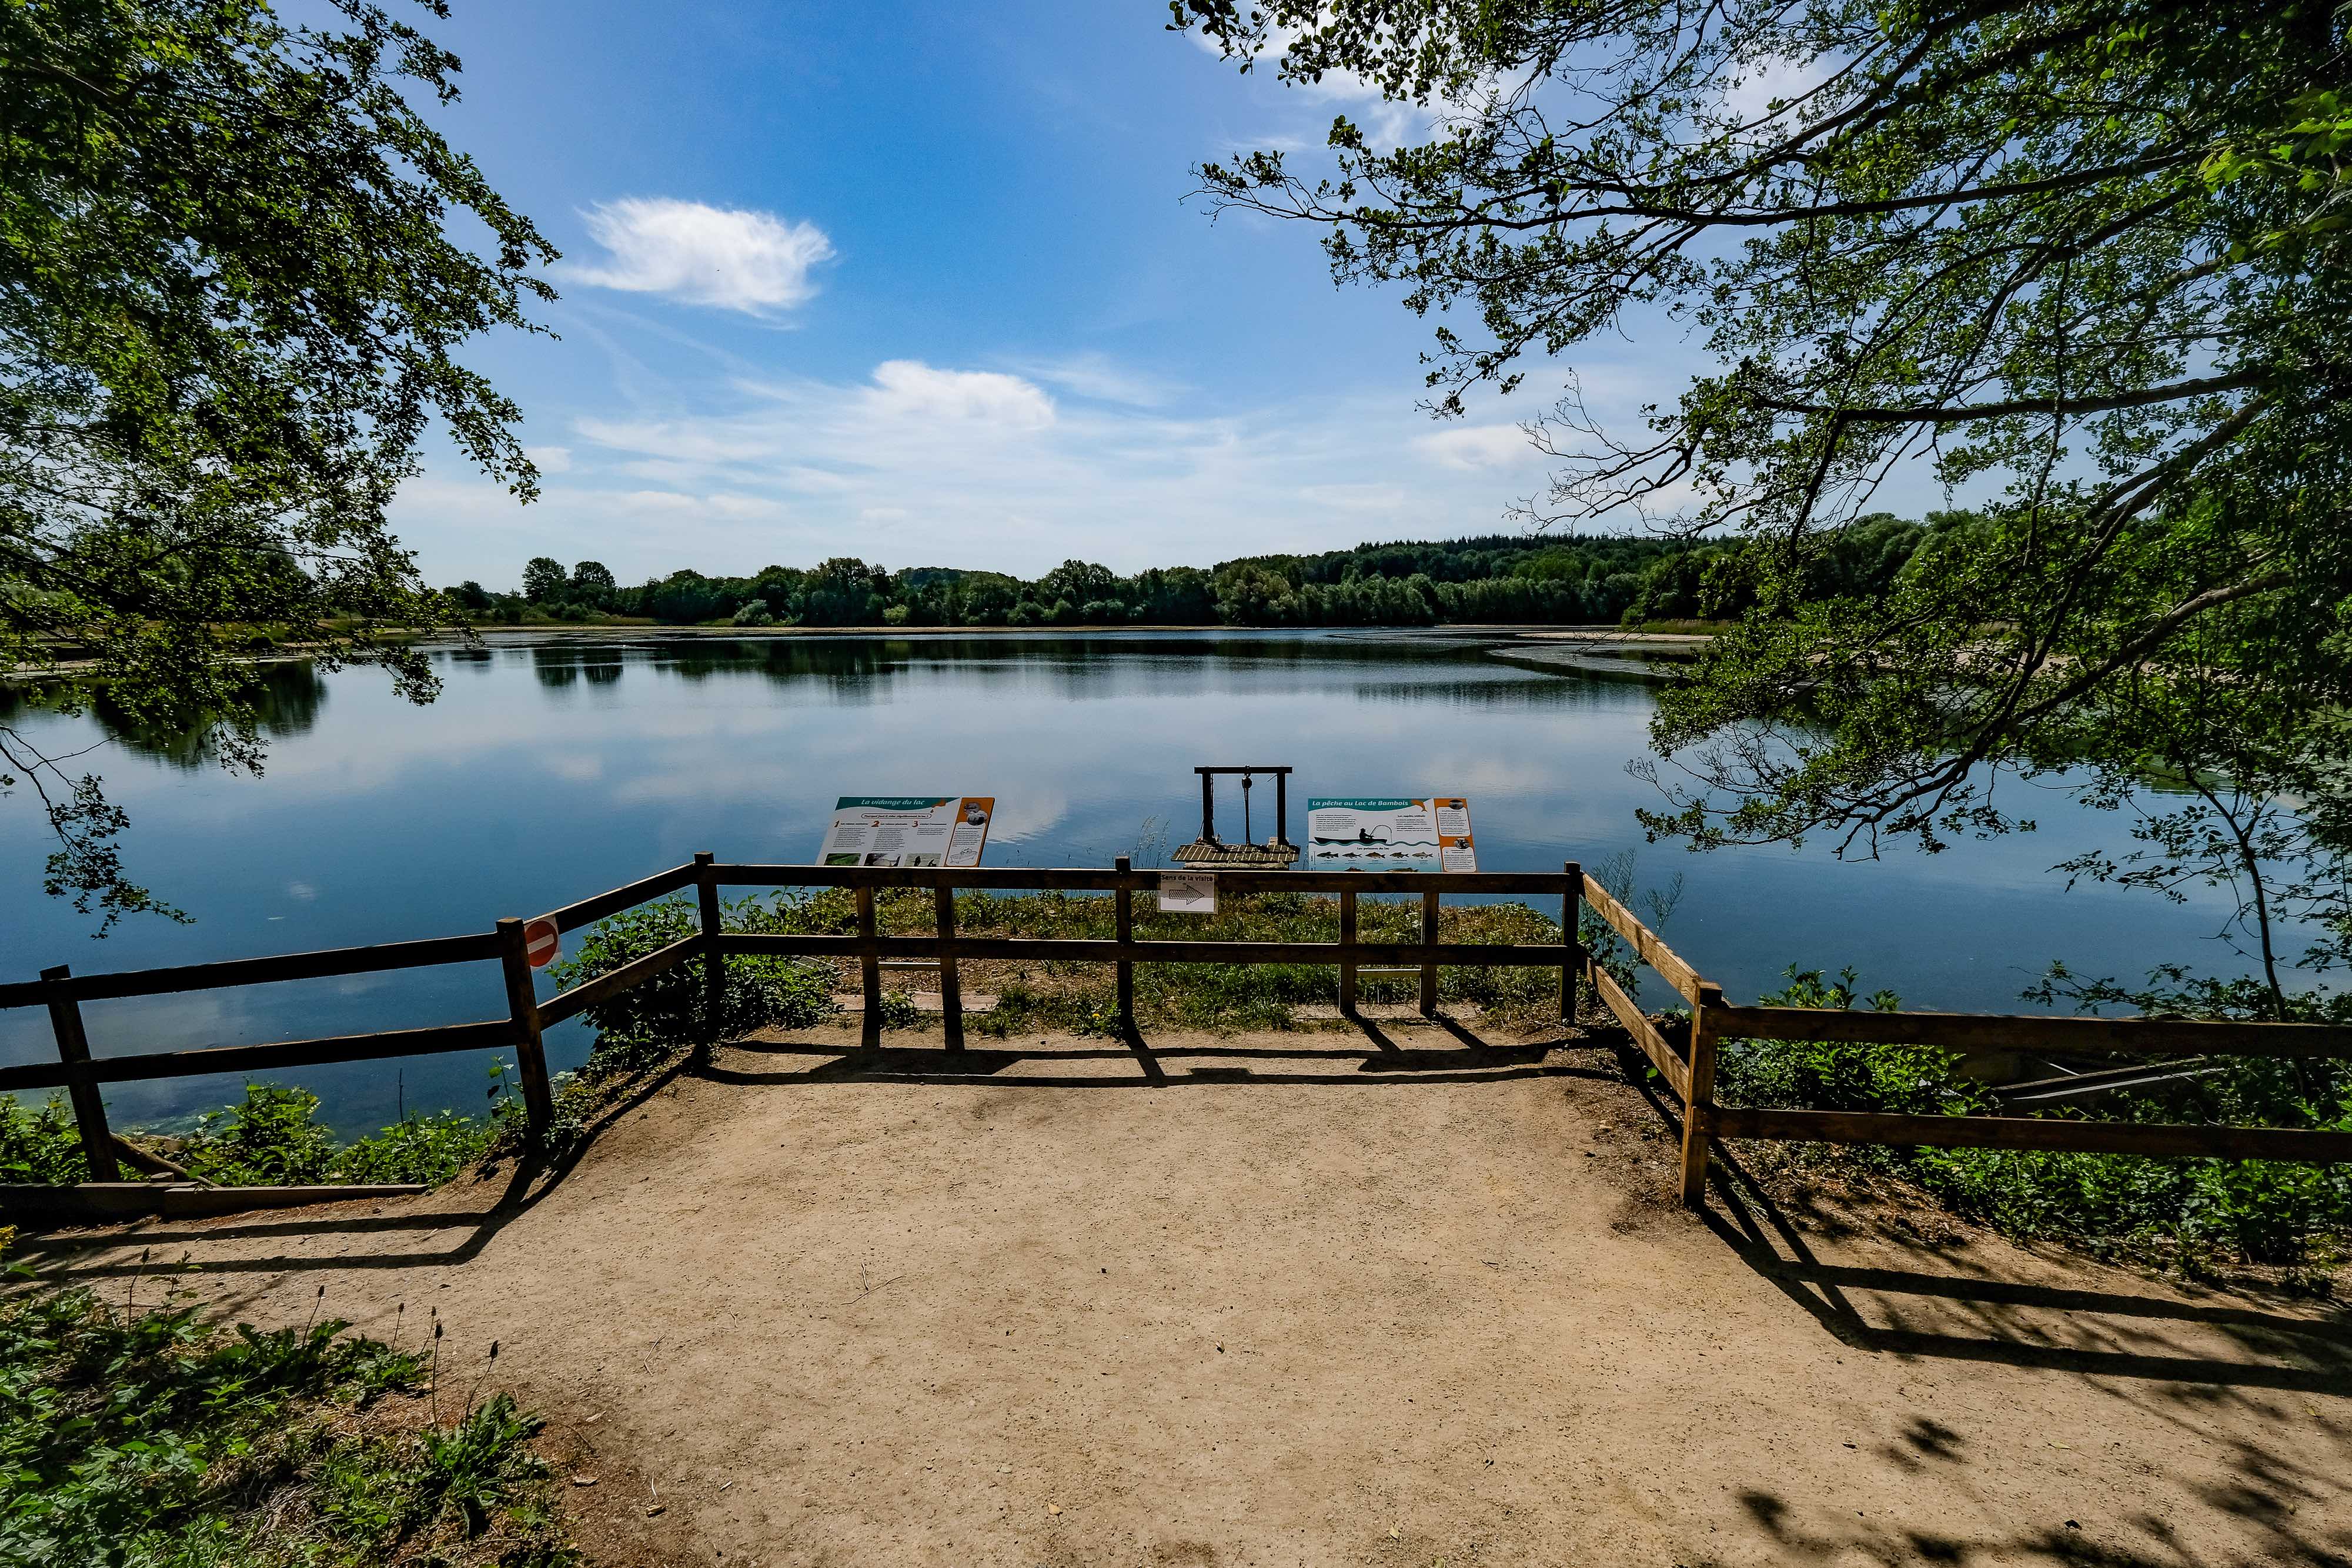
(1489, 579)
(2287, 1225)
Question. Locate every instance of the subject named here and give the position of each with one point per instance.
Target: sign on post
(542, 940)
(946, 831)
(1188, 892)
(1379, 834)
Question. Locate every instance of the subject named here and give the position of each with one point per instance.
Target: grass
(154, 1438)
(1082, 997)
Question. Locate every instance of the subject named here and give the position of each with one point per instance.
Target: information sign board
(1376, 833)
(946, 832)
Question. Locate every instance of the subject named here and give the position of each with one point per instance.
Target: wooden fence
(1688, 1069)
(82, 1074)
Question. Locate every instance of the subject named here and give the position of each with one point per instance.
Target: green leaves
(229, 306)
(2085, 261)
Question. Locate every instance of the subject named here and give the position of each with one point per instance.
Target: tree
(592, 584)
(2086, 256)
(229, 306)
(544, 579)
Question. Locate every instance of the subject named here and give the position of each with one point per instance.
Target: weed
(157, 1438)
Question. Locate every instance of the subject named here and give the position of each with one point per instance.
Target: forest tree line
(1591, 580)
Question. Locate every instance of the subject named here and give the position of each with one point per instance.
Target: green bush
(39, 1144)
(2190, 1210)
(130, 1439)
(274, 1138)
(648, 1020)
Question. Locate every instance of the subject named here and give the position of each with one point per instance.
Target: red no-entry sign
(542, 941)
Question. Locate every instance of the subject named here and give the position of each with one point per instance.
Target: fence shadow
(1378, 1059)
(526, 1181)
(1933, 1312)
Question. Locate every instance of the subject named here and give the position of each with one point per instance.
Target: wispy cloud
(735, 260)
(1473, 447)
(943, 464)
(1102, 378)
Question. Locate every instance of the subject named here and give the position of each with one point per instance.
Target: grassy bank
(132, 1436)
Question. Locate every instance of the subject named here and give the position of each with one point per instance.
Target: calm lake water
(550, 771)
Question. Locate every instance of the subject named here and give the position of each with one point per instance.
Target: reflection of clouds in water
(576, 767)
(1025, 814)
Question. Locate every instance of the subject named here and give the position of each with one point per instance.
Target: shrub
(274, 1138)
(39, 1144)
(2191, 1210)
(647, 1021)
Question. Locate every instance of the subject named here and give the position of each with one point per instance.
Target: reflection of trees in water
(284, 700)
(856, 670)
(555, 663)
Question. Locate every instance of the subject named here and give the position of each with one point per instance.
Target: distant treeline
(1598, 580)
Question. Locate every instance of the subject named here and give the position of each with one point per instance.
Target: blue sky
(919, 283)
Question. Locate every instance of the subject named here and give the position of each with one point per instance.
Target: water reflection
(284, 700)
(565, 765)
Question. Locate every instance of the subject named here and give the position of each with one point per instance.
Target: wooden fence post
(1348, 939)
(1699, 1108)
(1429, 971)
(714, 962)
(73, 1050)
(1567, 922)
(1123, 927)
(951, 977)
(869, 964)
(522, 1009)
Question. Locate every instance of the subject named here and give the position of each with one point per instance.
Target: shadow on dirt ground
(850, 1301)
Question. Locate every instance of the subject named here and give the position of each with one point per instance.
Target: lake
(551, 768)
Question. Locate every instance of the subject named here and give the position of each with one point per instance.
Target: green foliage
(429, 1149)
(273, 1138)
(1820, 1075)
(230, 303)
(647, 1021)
(2086, 258)
(40, 1143)
(2186, 1211)
(1494, 578)
(157, 1439)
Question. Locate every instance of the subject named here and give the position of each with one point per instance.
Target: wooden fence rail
(82, 1074)
(1687, 1066)
(1689, 1069)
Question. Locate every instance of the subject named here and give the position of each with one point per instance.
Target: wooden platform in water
(1201, 852)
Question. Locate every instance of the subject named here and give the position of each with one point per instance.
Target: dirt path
(1299, 1302)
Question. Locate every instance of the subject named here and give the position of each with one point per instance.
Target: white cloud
(1387, 124)
(1473, 447)
(1097, 377)
(736, 259)
(948, 466)
(549, 459)
(910, 389)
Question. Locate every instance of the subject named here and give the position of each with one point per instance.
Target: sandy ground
(1291, 1299)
